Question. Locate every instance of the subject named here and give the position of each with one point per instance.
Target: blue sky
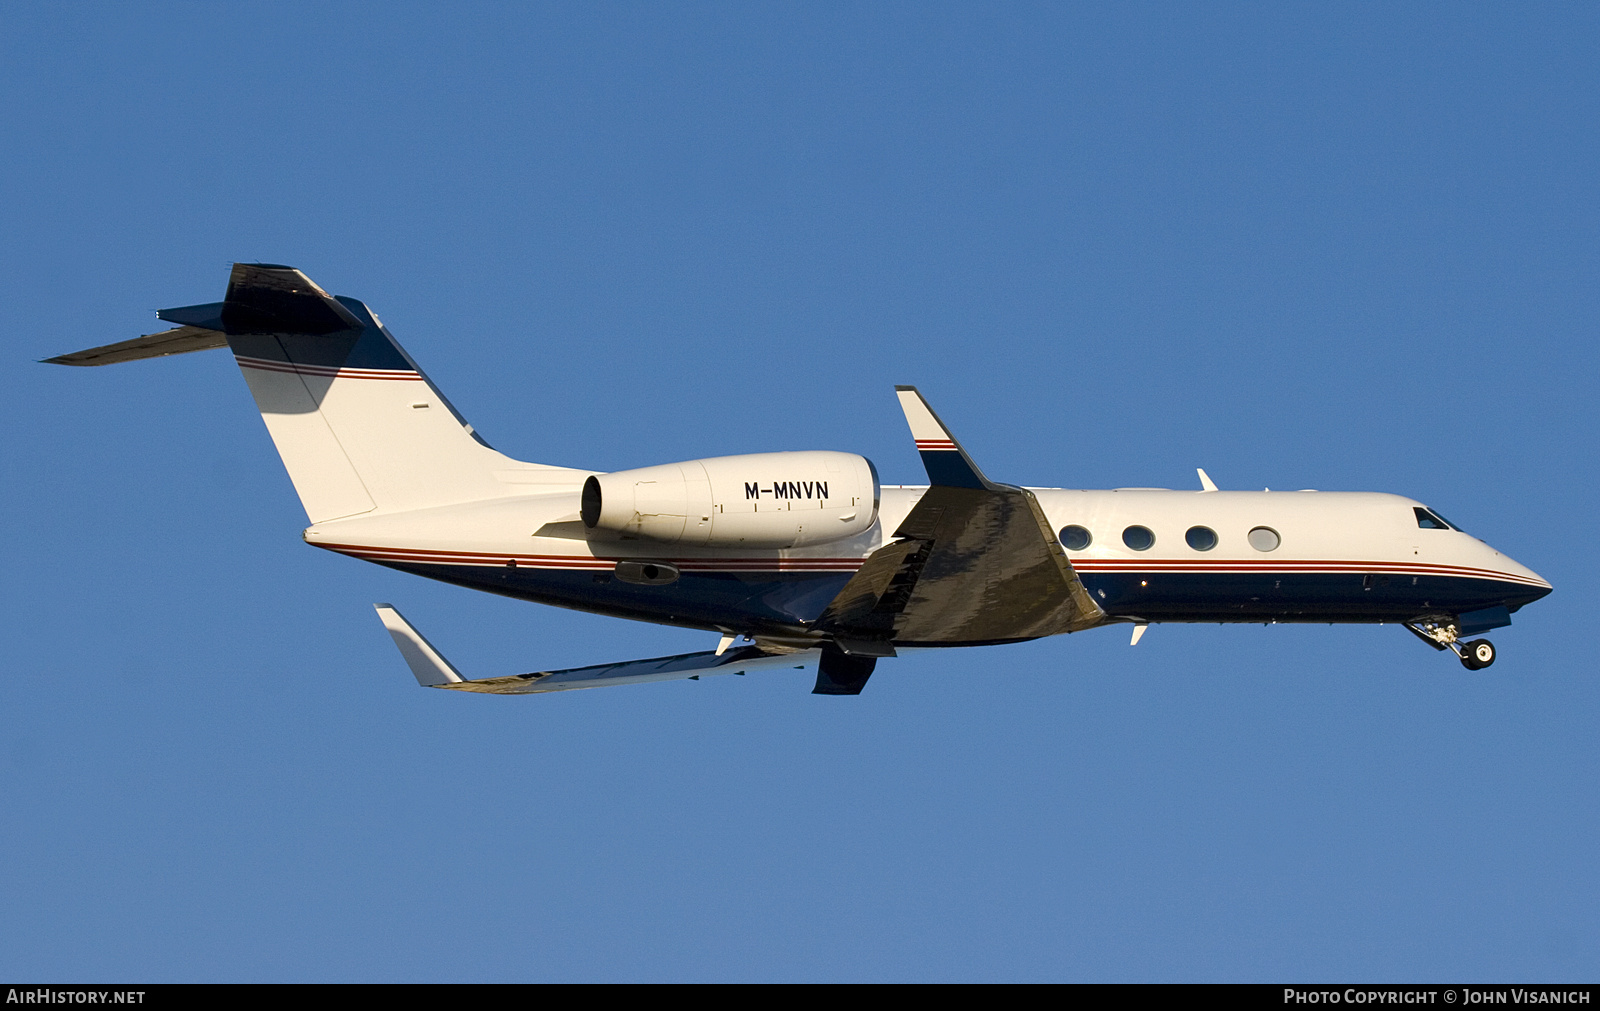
(1341, 246)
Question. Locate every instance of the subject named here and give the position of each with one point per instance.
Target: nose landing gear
(1444, 635)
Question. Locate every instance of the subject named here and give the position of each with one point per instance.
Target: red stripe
(265, 365)
(1291, 563)
(1304, 566)
(590, 562)
(1085, 565)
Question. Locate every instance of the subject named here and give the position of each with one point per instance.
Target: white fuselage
(1330, 556)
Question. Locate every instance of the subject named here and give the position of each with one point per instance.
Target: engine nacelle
(765, 500)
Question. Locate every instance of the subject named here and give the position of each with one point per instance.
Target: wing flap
(854, 606)
(661, 668)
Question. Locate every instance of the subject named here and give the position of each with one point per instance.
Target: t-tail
(359, 427)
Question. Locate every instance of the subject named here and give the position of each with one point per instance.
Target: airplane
(800, 558)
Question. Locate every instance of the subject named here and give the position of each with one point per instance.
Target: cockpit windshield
(1428, 519)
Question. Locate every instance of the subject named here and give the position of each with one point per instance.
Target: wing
(973, 562)
(432, 670)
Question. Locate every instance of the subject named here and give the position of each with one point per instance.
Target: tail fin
(359, 427)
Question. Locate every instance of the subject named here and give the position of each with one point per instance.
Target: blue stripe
(772, 601)
(950, 468)
(1297, 596)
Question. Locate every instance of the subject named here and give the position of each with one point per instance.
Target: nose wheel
(1477, 654)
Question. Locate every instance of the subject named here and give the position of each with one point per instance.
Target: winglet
(947, 463)
(431, 669)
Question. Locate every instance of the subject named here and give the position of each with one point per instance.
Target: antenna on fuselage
(1206, 484)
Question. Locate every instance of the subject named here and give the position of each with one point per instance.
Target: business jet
(798, 558)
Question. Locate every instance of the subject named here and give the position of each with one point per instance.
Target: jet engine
(765, 500)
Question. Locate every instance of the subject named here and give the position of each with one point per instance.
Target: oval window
(1138, 538)
(1264, 539)
(1201, 538)
(1075, 538)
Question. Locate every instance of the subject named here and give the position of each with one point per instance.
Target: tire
(1482, 653)
(1477, 654)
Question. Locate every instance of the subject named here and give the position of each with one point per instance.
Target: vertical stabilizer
(359, 427)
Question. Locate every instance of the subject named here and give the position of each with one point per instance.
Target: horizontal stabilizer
(432, 670)
(262, 298)
(179, 341)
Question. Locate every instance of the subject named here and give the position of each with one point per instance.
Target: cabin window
(1201, 538)
(1075, 538)
(1264, 539)
(1138, 538)
(1428, 520)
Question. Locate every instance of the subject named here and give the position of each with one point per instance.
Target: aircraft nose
(1537, 585)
